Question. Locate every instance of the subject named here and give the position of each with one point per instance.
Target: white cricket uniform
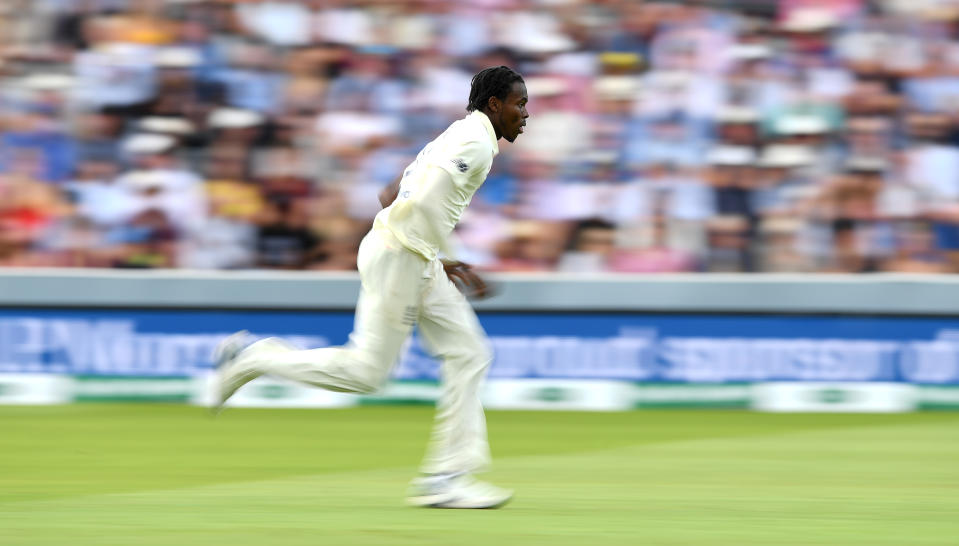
(403, 284)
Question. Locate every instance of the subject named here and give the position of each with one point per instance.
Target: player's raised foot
(225, 384)
(229, 347)
(456, 491)
(235, 359)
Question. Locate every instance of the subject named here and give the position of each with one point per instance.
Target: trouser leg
(392, 285)
(453, 334)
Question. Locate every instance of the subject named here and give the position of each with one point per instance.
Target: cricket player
(408, 273)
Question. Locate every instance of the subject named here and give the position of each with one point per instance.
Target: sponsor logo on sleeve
(460, 164)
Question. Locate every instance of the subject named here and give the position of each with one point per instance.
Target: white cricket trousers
(401, 289)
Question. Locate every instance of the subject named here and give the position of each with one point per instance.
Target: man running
(408, 273)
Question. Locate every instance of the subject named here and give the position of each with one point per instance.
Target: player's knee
(365, 388)
(484, 355)
(371, 381)
(476, 355)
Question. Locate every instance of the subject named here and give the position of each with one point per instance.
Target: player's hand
(468, 282)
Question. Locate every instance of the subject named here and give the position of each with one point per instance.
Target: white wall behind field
(885, 293)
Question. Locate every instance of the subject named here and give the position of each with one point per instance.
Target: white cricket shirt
(428, 205)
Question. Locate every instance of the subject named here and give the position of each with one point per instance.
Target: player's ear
(494, 104)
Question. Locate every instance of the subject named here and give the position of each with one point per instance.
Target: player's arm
(461, 273)
(388, 194)
(436, 183)
(466, 279)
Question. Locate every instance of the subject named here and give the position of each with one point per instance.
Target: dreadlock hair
(491, 82)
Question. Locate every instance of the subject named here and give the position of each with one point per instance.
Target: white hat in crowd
(802, 125)
(866, 164)
(167, 125)
(616, 87)
(737, 114)
(234, 118)
(47, 82)
(177, 57)
(750, 52)
(731, 156)
(545, 86)
(810, 20)
(786, 156)
(148, 143)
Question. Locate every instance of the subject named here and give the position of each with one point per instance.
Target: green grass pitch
(112, 474)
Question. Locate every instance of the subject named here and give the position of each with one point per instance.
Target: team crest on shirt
(460, 164)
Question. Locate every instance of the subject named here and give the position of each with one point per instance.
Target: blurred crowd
(709, 135)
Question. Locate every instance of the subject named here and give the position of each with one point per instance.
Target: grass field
(171, 475)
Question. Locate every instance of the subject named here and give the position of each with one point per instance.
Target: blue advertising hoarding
(683, 348)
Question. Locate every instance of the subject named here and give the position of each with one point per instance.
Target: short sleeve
(466, 160)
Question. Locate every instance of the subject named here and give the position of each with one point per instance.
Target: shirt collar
(489, 128)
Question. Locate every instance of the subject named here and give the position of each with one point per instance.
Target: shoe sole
(445, 502)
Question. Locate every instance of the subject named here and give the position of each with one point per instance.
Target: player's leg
(453, 334)
(392, 283)
(459, 445)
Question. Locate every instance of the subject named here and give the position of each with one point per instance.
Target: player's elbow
(388, 194)
(386, 198)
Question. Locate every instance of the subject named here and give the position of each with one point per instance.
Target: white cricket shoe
(234, 365)
(456, 491)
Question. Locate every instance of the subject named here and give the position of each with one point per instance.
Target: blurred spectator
(147, 241)
(28, 207)
(280, 23)
(916, 251)
(532, 245)
(159, 180)
(655, 256)
(283, 241)
(729, 245)
(116, 75)
(561, 131)
(252, 80)
(593, 242)
(34, 128)
(800, 135)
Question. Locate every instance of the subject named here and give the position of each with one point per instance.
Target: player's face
(513, 113)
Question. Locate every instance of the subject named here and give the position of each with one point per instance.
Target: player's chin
(511, 138)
